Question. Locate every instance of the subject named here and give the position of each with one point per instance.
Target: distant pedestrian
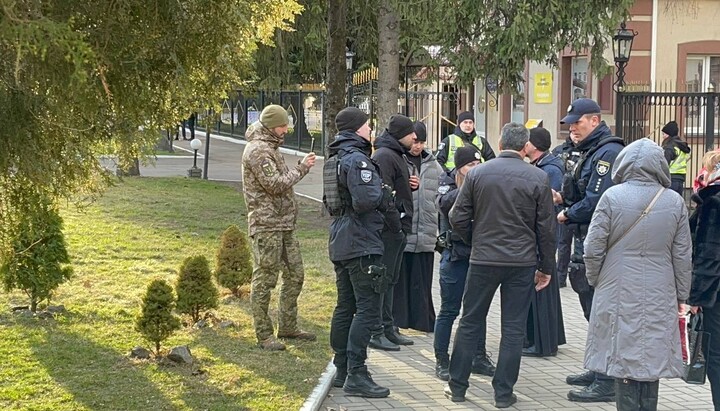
(453, 274)
(464, 135)
(545, 329)
(638, 258)
(272, 214)
(705, 290)
(390, 149)
(505, 206)
(356, 248)
(412, 301)
(677, 153)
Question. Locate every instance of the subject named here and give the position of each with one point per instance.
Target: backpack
(331, 191)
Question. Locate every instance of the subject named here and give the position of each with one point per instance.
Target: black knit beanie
(465, 115)
(350, 118)
(465, 155)
(540, 138)
(671, 129)
(420, 131)
(400, 126)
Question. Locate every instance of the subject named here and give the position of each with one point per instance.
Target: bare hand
(695, 309)
(557, 197)
(309, 160)
(682, 309)
(561, 217)
(414, 182)
(541, 280)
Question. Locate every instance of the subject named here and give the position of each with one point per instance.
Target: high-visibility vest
(456, 142)
(679, 165)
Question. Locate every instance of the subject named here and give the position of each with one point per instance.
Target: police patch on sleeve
(366, 176)
(268, 169)
(441, 146)
(602, 167)
(442, 190)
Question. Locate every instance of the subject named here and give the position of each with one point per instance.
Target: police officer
(464, 135)
(677, 153)
(355, 249)
(569, 155)
(582, 188)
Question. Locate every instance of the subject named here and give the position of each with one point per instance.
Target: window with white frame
(702, 74)
(579, 70)
(518, 105)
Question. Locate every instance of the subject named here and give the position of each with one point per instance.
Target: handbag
(698, 343)
(643, 214)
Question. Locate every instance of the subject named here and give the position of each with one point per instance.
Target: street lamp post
(349, 54)
(622, 47)
(195, 172)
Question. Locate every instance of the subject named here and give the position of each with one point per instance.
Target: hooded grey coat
(633, 331)
(422, 237)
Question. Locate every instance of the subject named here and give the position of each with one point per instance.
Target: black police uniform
(355, 247)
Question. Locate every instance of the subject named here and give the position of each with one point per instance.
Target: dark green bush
(36, 257)
(156, 322)
(233, 266)
(195, 289)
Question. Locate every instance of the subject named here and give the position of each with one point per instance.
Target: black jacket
(391, 160)
(486, 153)
(506, 207)
(669, 145)
(447, 194)
(705, 228)
(357, 232)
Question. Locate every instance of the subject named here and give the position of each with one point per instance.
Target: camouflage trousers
(275, 252)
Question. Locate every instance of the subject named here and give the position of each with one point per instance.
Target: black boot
(396, 338)
(442, 368)
(649, 395)
(380, 342)
(598, 391)
(584, 379)
(483, 365)
(340, 377)
(360, 384)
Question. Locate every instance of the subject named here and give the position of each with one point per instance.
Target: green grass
(176, 152)
(142, 229)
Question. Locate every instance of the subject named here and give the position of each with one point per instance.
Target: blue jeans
(453, 275)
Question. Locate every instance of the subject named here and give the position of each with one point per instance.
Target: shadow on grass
(96, 376)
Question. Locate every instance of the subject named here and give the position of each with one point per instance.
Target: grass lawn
(175, 152)
(139, 230)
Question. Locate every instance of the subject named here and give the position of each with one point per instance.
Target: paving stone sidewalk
(410, 375)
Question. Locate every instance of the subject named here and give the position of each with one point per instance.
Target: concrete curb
(317, 396)
(234, 140)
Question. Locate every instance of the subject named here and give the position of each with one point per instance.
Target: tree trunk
(335, 80)
(388, 62)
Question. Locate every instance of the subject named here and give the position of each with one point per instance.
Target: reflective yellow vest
(679, 165)
(456, 142)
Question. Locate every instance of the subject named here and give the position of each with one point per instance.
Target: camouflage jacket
(268, 183)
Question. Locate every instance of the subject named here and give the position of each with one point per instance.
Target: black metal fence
(304, 109)
(643, 114)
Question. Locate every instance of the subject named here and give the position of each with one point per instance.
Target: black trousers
(564, 250)
(392, 259)
(711, 323)
(516, 288)
(356, 312)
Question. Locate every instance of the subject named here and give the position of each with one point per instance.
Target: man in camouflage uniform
(272, 214)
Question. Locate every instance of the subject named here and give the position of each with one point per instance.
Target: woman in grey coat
(642, 281)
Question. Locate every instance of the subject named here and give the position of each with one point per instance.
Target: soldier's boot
(442, 368)
(298, 334)
(483, 365)
(340, 377)
(271, 344)
(360, 384)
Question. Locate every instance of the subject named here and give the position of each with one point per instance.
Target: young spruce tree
(156, 322)
(233, 267)
(195, 289)
(37, 259)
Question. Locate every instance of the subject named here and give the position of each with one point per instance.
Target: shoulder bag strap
(643, 214)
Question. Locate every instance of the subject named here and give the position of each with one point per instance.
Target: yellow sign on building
(543, 88)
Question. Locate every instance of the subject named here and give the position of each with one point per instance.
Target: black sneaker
(583, 380)
(360, 384)
(453, 397)
(396, 338)
(482, 364)
(603, 391)
(506, 403)
(442, 369)
(380, 342)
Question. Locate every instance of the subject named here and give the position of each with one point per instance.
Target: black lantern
(622, 44)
